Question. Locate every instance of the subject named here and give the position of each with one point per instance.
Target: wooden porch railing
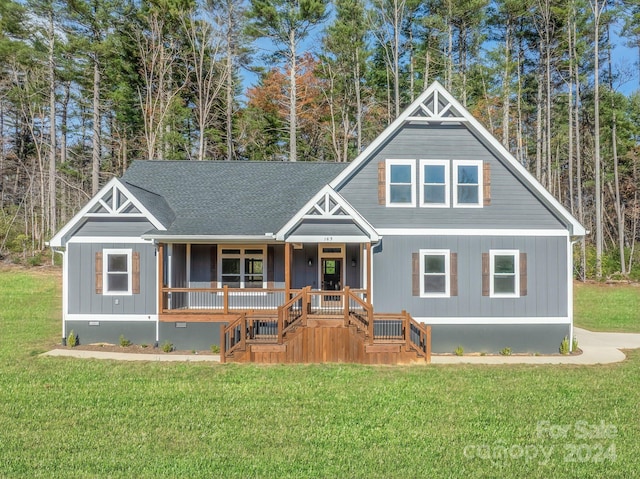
(221, 300)
(293, 313)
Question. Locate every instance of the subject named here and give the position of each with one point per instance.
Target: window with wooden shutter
(486, 183)
(98, 266)
(506, 273)
(434, 273)
(116, 272)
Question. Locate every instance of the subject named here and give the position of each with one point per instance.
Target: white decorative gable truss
(329, 207)
(114, 200)
(435, 108)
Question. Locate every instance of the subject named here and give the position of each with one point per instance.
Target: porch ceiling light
(309, 262)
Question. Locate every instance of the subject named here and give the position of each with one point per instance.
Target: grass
(63, 417)
(606, 307)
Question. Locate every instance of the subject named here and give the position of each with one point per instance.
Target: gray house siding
(88, 332)
(493, 338)
(82, 281)
(190, 336)
(512, 204)
(546, 277)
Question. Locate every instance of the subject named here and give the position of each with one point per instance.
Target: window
(434, 180)
(505, 273)
(116, 271)
(401, 189)
(467, 178)
(242, 267)
(435, 273)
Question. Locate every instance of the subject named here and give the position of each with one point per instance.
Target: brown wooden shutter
(486, 183)
(415, 274)
(382, 187)
(453, 273)
(270, 267)
(486, 274)
(214, 266)
(523, 274)
(135, 277)
(98, 272)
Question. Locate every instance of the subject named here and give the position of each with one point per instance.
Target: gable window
(434, 183)
(504, 273)
(116, 275)
(467, 179)
(242, 267)
(401, 187)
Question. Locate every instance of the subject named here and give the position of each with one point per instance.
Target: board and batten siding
(83, 298)
(546, 277)
(513, 205)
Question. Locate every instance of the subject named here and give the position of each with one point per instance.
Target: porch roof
(238, 198)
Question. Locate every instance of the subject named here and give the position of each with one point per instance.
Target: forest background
(87, 86)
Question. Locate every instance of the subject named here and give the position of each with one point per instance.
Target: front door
(331, 281)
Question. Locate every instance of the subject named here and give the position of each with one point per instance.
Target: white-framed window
(434, 183)
(116, 272)
(243, 266)
(435, 274)
(401, 184)
(467, 183)
(504, 273)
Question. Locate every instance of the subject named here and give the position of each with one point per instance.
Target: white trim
(455, 184)
(113, 183)
(455, 321)
(570, 291)
(113, 317)
(339, 255)
(447, 183)
(400, 162)
(242, 256)
(107, 240)
(207, 238)
(575, 229)
(327, 239)
(470, 232)
(447, 272)
(105, 271)
(353, 215)
(516, 272)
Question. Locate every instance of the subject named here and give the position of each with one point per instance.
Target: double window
(401, 187)
(242, 267)
(439, 180)
(435, 273)
(116, 275)
(504, 273)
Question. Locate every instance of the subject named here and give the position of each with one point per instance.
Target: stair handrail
(424, 340)
(230, 343)
(283, 313)
(367, 326)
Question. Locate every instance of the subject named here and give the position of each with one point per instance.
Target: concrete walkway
(597, 348)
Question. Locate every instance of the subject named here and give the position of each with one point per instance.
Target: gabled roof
(437, 105)
(228, 199)
(328, 205)
(114, 200)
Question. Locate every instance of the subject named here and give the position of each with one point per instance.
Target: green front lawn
(606, 307)
(62, 417)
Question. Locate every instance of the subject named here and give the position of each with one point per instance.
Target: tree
(286, 23)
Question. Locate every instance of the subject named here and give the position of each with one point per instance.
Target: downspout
(572, 240)
(65, 299)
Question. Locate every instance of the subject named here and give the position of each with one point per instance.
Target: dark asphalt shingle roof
(226, 198)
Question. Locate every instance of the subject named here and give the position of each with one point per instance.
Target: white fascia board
(203, 238)
(112, 317)
(576, 228)
(107, 239)
(56, 241)
(328, 239)
(356, 217)
(495, 321)
(470, 232)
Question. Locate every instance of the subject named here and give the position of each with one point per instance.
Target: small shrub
(505, 352)
(459, 351)
(35, 260)
(167, 347)
(124, 342)
(72, 340)
(144, 346)
(564, 346)
(574, 344)
(215, 349)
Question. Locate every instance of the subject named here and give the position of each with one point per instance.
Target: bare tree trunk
(506, 84)
(293, 146)
(52, 127)
(357, 86)
(570, 113)
(95, 139)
